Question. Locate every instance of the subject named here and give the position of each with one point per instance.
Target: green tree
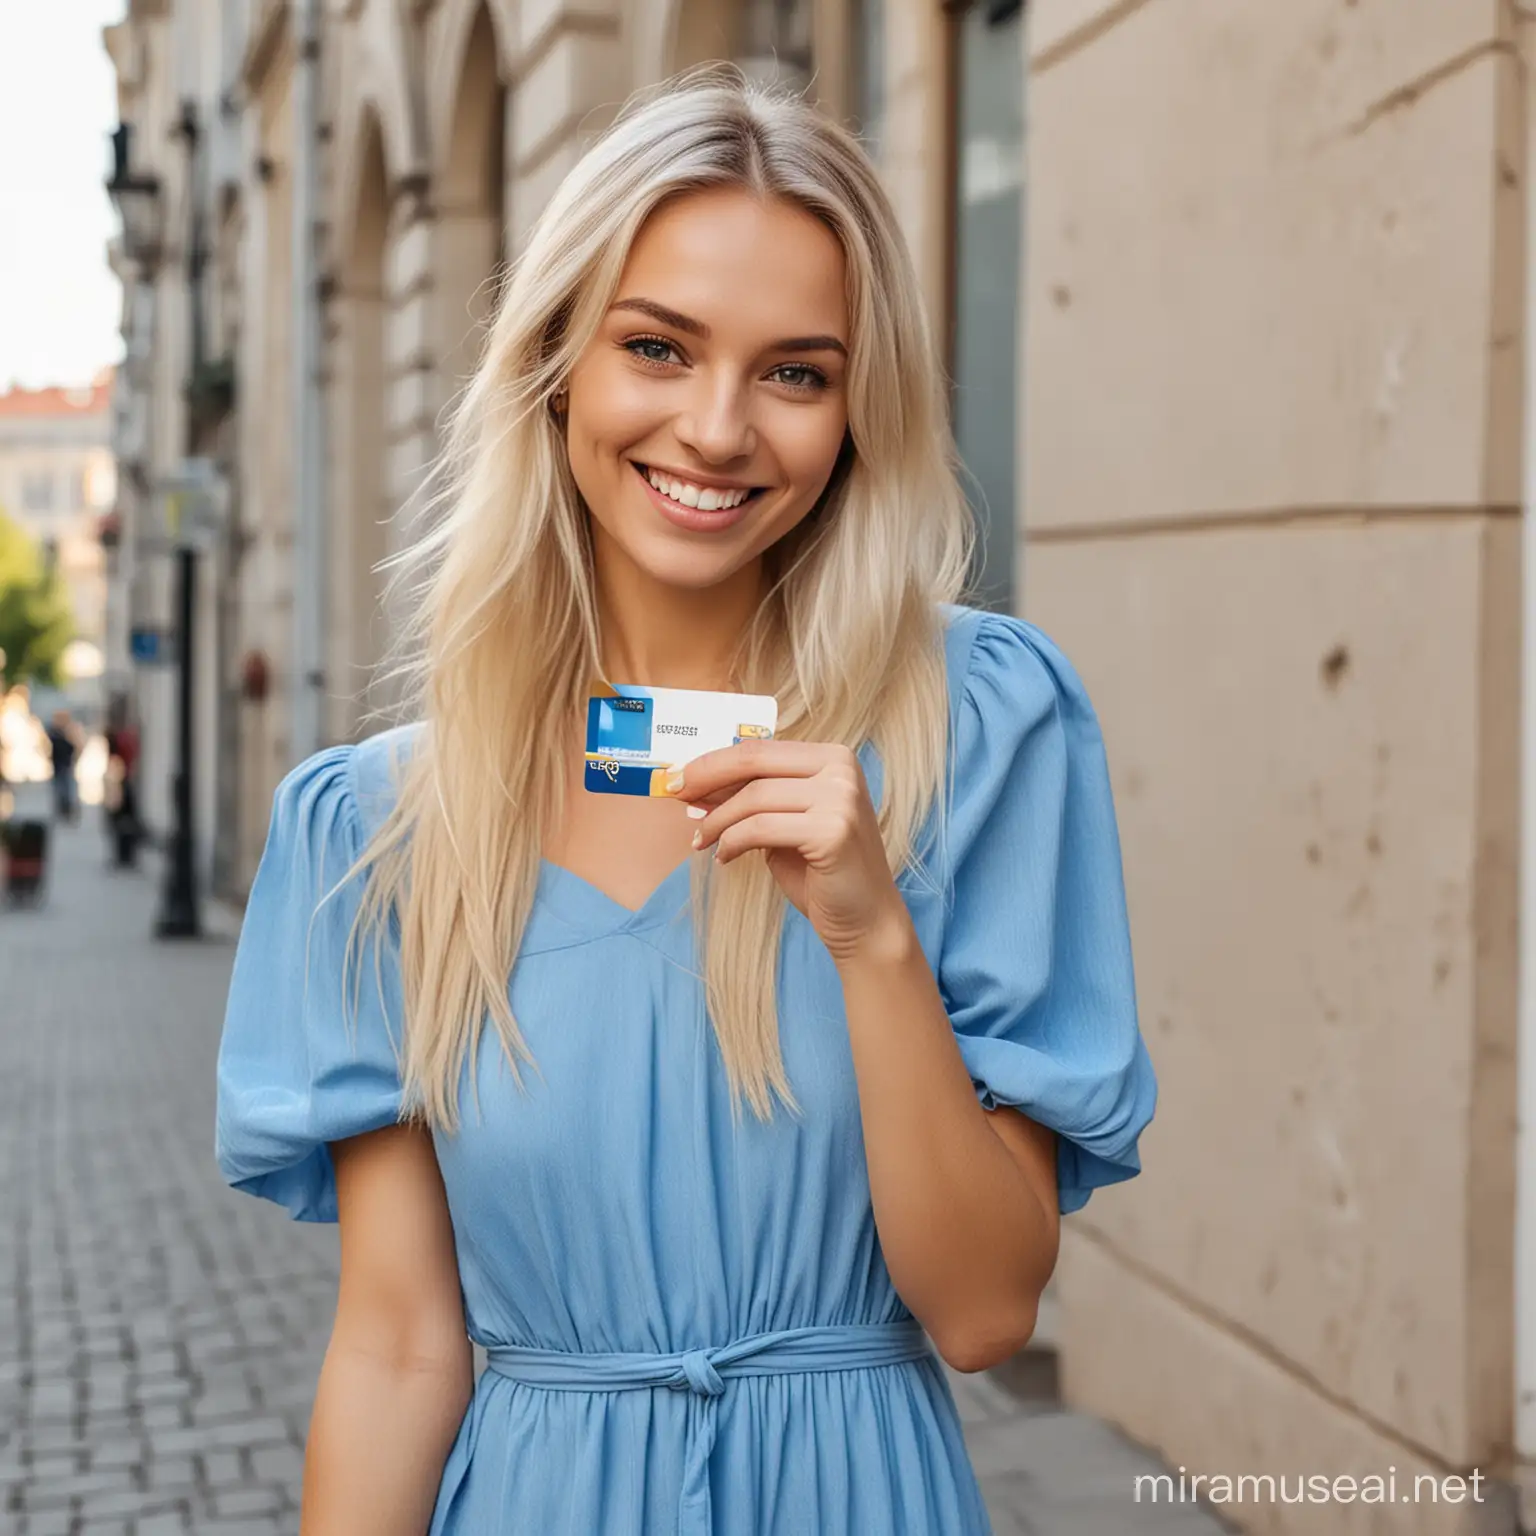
(35, 621)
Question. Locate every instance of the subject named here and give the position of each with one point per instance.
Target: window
(988, 254)
(37, 491)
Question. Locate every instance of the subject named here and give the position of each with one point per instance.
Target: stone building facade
(1242, 402)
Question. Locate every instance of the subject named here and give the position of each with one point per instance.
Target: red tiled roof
(90, 399)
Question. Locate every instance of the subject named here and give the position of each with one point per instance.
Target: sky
(59, 302)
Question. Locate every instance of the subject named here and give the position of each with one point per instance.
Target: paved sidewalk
(160, 1336)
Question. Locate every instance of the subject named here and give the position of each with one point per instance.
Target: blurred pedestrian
(120, 795)
(64, 748)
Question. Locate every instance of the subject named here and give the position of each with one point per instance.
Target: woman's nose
(716, 422)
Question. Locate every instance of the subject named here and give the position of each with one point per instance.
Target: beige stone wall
(1270, 469)
(915, 154)
(1313, 186)
(358, 511)
(266, 391)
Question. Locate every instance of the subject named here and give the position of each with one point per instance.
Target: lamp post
(179, 917)
(138, 202)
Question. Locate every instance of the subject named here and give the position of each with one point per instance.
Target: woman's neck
(659, 635)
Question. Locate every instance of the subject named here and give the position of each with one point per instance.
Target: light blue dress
(691, 1329)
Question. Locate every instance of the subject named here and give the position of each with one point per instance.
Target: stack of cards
(635, 734)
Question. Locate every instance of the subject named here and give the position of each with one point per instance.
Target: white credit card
(634, 734)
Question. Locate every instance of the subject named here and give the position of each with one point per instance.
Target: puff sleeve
(307, 1056)
(1035, 962)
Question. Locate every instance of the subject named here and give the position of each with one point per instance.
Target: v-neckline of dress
(589, 902)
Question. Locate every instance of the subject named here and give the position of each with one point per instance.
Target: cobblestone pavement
(160, 1336)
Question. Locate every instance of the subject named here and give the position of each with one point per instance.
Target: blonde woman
(717, 1118)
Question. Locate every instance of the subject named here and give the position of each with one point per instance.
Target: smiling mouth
(697, 498)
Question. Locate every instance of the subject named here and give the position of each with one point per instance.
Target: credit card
(635, 734)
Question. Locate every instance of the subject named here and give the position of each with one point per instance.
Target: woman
(120, 790)
(705, 449)
(63, 748)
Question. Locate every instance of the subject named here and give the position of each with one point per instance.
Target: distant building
(58, 479)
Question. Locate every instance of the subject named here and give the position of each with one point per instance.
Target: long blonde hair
(502, 637)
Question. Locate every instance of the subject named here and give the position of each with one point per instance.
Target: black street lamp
(179, 917)
(138, 201)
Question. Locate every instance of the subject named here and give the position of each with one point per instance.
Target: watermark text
(1185, 1487)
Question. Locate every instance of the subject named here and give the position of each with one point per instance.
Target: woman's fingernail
(674, 781)
(697, 812)
(698, 837)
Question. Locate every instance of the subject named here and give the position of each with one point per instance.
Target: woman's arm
(398, 1371)
(965, 1199)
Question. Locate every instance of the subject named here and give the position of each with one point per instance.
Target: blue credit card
(636, 734)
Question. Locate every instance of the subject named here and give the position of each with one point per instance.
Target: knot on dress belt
(702, 1376)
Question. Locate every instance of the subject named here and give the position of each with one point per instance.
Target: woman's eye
(800, 376)
(651, 349)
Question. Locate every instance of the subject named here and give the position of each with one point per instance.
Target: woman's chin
(689, 565)
(698, 574)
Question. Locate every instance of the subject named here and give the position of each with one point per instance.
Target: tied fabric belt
(704, 1372)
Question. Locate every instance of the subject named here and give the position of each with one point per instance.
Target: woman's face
(706, 414)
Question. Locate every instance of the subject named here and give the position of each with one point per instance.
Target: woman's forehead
(733, 260)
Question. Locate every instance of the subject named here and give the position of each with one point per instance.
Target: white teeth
(705, 498)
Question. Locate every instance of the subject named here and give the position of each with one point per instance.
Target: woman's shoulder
(1001, 664)
(357, 782)
(308, 1054)
(378, 768)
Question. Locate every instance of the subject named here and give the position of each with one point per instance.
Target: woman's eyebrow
(810, 344)
(692, 327)
(666, 316)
